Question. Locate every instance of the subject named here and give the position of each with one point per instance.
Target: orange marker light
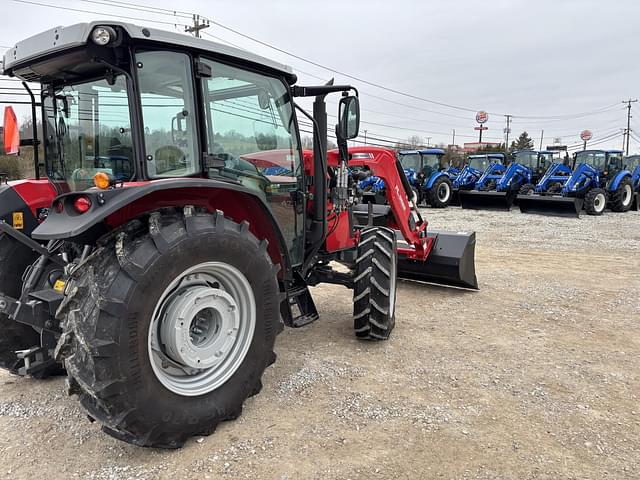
(102, 180)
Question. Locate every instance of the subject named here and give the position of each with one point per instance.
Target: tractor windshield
(528, 159)
(431, 163)
(597, 160)
(410, 160)
(633, 162)
(88, 129)
(480, 162)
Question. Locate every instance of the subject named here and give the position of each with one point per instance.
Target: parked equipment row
(534, 180)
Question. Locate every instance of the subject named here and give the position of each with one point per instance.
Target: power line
(127, 17)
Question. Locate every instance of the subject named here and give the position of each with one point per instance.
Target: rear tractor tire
(441, 192)
(15, 258)
(595, 201)
(169, 327)
(527, 189)
(622, 198)
(375, 278)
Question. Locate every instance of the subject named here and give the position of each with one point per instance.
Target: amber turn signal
(103, 180)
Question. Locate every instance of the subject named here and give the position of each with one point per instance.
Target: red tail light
(82, 204)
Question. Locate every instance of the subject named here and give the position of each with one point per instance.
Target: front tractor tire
(169, 327)
(622, 198)
(441, 192)
(375, 275)
(595, 201)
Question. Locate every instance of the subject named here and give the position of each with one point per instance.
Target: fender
(432, 179)
(613, 186)
(113, 208)
(28, 199)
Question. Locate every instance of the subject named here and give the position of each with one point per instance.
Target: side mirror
(349, 118)
(11, 132)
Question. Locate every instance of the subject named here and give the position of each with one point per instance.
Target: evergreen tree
(524, 142)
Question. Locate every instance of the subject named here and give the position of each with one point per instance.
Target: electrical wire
(183, 14)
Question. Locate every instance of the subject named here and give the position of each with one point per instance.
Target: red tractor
(170, 259)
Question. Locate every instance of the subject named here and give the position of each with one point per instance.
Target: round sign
(482, 116)
(586, 135)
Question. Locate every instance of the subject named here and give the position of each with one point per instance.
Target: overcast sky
(539, 59)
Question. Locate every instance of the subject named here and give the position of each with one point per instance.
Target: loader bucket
(491, 200)
(551, 205)
(451, 261)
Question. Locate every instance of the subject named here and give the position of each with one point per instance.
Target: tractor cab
(425, 162)
(536, 161)
(607, 163)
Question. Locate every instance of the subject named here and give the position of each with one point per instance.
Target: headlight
(103, 36)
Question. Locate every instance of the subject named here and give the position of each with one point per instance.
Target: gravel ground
(534, 376)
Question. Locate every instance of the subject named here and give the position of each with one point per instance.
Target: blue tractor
(633, 165)
(428, 174)
(498, 191)
(474, 168)
(599, 178)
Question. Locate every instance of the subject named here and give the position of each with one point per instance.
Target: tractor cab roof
(431, 151)
(424, 151)
(24, 59)
(610, 152)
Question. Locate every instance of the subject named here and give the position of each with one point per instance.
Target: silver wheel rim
(444, 192)
(599, 202)
(202, 328)
(627, 195)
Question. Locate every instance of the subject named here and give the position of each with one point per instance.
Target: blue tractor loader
(476, 166)
(429, 175)
(598, 179)
(499, 192)
(633, 165)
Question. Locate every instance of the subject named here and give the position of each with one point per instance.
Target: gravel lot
(535, 376)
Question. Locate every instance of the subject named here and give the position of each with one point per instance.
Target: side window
(168, 113)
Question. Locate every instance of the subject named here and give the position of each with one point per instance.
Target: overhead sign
(586, 135)
(482, 117)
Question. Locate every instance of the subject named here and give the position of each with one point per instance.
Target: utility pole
(453, 140)
(197, 26)
(428, 141)
(365, 137)
(541, 138)
(507, 131)
(629, 102)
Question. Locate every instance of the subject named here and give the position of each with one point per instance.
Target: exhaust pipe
(556, 206)
(491, 200)
(451, 261)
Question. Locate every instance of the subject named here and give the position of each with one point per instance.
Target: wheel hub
(443, 192)
(200, 326)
